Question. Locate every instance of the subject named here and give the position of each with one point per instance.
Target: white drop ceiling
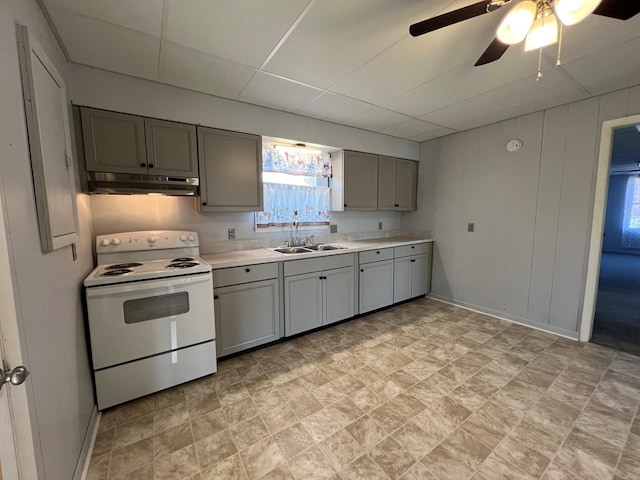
(350, 62)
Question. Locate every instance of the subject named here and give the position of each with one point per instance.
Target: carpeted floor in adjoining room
(617, 318)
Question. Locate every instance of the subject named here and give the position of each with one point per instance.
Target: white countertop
(239, 258)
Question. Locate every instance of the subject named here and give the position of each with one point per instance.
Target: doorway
(611, 313)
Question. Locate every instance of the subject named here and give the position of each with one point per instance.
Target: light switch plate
(379, 225)
(471, 227)
(333, 228)
(232, 233)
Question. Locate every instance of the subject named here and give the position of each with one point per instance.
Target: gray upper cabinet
(360, 181)
(113, 142)
(397, 180)
(171, 148)
(121, 143)
(230, 171)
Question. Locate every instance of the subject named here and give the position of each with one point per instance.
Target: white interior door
(17, 455)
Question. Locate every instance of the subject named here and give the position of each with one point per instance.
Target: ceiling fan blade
(620, 9)
(449, 18)
(493, 52)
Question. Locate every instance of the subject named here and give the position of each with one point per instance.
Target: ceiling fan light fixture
(544, 32)
(571, 12)
(515, 26)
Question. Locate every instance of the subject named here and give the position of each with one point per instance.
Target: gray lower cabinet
(122, 143)
(376, 279)
(314, 297)
(230, 171)
(247, 309)
(412, 271)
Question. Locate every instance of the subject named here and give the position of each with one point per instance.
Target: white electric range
(150, 313)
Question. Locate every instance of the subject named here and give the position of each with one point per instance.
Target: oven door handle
(172, 283)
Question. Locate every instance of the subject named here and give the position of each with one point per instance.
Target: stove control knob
(151, 240)
(105, 242)
(183, 237)
(115, 241)
(192, 237)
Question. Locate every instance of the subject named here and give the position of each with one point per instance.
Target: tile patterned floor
(420, 391)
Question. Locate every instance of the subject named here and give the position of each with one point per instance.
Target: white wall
(47, 287)
(532, 211)
(125, 213)
(111, 91)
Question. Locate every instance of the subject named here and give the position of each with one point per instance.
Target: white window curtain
(631, 221)
(284, 204)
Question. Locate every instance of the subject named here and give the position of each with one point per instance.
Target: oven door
(130, 321)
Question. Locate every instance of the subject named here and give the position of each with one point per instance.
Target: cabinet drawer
(249, 273)
(318, 264)
(407, 250)
(376, 255)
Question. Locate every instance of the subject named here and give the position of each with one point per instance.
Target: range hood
(139, 184)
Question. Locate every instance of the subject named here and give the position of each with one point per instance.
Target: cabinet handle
(396, 204)
(143, 164)
(362, 270)
(378, 252)
(216, 297)
(247, 270)
(345, 204)
(151, 165)
(204, 203)
(412, 260)
(413, 246)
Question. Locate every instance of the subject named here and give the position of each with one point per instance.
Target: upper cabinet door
(171, 148)
(387, 183)
(230, 171)
(360, 181)
(113, 142)
(47, 113)
(406, 180)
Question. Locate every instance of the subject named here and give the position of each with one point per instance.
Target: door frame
(17, 396)
(597, 225)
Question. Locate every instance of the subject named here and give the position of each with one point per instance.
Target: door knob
(17, 376)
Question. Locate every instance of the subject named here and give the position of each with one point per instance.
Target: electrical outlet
(379, 225)
(333, 228)
(232, 233)
(471, 227)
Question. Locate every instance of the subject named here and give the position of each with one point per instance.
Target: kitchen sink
(308, 249)
(322, 247)
(289, 250)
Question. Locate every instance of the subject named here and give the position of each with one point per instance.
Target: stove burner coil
(114, 273)
(182, 259)
(120, 266)
(182, 265)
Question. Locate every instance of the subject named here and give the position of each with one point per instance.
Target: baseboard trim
(82, 468)
(517, 320)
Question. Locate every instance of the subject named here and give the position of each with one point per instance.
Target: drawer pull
(247, 270)
(362, 270)
(378, 252)
(413, 246)
(396, 204)
(216, 297)
(413, 260)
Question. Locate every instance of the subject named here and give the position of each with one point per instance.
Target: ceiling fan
(535, 21)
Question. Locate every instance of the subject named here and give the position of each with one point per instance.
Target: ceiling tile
(142, 15)
(375, 119)
(330, 106)
(410, 128)
(280, 93)
(202, 72)
(335, 37)
(413, 61)
(595, 34)
(107, 46)
(244, 31)
(465, 82)
(518, 98)
(440, 132)
(608, 70)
